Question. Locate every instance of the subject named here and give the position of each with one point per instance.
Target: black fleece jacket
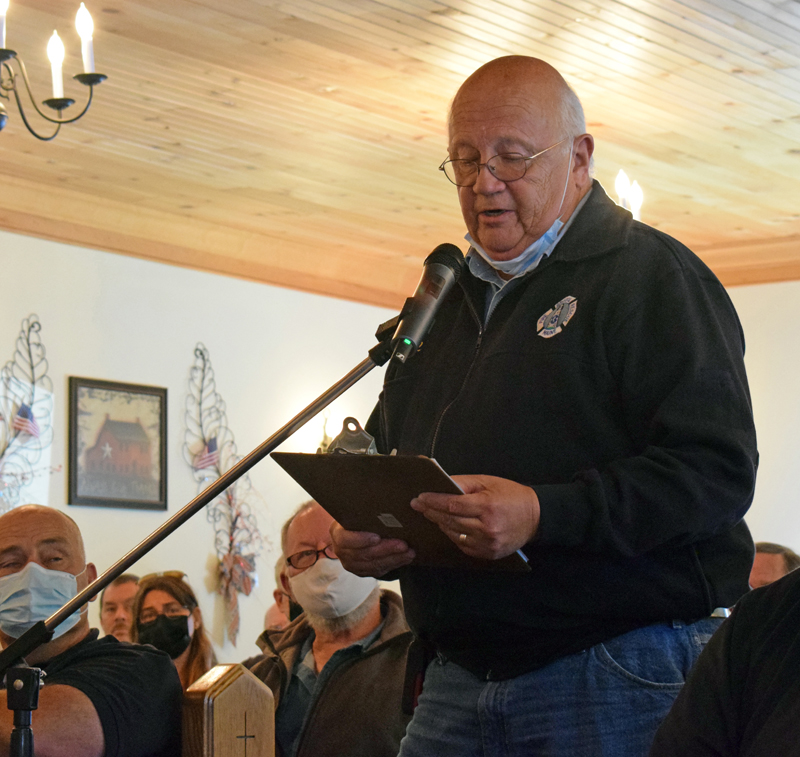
(630, 418)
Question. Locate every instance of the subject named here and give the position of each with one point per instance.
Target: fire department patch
(556, 318)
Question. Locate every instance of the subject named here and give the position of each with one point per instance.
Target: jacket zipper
(474, 312)
(481, 330)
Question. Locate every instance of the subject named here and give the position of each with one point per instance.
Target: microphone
(441, 270)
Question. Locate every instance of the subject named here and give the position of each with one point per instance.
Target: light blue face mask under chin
(529, 256)
(532, 254)
(34, 594)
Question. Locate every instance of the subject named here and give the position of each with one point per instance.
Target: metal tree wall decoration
(26, 411)
(210, 449)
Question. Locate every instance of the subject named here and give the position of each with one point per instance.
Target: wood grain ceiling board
(296, 143)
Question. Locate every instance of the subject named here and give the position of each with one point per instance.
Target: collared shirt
(500, 287)
(305, 685)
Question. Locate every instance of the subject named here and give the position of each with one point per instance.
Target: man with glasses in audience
(337, 671)
(585, 386)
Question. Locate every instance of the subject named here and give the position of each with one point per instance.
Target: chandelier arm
(7, 85)
(28, 126)
(30, 93)
(33, 101)
(80, 115)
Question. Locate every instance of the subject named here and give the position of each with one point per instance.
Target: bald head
(308, 529)
(517, 115)
(532, 85)
(31, 528)
(52, 540)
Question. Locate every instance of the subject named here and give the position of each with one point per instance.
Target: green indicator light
(407, 341)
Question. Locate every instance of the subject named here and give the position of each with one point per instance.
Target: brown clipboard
(373, 493)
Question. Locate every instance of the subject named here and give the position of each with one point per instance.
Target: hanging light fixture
(630, 194)
(55, 52)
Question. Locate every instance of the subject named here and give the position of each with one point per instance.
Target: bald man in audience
(116, 601)
(101, 698)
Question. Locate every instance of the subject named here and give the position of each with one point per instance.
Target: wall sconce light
(630, 194)
(55, 52)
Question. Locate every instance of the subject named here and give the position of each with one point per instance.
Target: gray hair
(790, 557)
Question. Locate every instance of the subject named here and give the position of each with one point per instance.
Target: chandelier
(10, 80)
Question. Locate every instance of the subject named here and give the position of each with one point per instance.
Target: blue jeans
(607, 700)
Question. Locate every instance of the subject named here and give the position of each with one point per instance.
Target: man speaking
(584, 384)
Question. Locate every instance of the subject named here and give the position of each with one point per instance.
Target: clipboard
(373, 493)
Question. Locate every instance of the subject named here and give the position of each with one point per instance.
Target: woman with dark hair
(167, 616)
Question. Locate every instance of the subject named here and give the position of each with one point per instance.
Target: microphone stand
(23, 687)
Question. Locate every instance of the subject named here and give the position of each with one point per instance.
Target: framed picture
(117, 444)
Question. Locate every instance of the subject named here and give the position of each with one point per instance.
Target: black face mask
(170, 635)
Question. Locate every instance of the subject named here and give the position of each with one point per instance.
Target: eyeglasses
(171, 610)
(505, 167)
(308, 557)
(179, 574)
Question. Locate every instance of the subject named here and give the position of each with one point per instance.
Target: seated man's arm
(135, 692)
(65, 725)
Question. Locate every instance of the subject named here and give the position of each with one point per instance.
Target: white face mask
(328, 590)
(533, 253)
(33, 594)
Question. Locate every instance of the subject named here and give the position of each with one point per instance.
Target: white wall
(770, 315)
(273, 351)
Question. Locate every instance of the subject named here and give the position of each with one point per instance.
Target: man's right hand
(367, 554)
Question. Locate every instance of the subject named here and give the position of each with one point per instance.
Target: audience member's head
(42, 566)
(99, 696)
(772, 561)
(333, 599)
(116, 601)
(277, 615)
(166, 615)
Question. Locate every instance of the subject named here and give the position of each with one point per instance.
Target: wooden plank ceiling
(297, 142)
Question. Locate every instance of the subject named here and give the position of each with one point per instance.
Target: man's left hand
(492, 519)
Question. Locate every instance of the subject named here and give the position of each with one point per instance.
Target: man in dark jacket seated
(101, 697)
(743, 696)
(337, 670)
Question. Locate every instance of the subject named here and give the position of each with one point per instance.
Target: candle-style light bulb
(622, 186)
(85, 27)
(56, 52)
(636, 199)
(3, 11)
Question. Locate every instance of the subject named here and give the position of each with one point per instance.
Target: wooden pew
(228, 713)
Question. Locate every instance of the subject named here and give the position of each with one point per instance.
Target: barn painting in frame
(117, 444)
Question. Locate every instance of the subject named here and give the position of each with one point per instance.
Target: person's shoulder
(275, 641)
(395, 624)
(640, 250)
(778, 599)
(655, 249)
(392, 604)
(109, 651)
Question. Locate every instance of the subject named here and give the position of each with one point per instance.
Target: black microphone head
(449, 255)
